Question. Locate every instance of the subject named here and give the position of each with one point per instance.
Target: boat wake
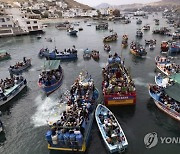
(48, 110)
(140, 82)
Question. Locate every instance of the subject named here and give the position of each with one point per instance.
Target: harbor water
(25, 118)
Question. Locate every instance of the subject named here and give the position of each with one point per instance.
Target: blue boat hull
(53, 56)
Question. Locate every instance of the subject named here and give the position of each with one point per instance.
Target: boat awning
(174, 91)
(176, 77)
(51, 65)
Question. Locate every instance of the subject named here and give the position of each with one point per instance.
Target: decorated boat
(87, 54)
(139, 33)
(72, 131)
(111, 38)
(20, 67)
(50, 79)
(4, 55)
(67, 54)
(118, 87)
(110, 129)
(10, 88)
(167, 99)
(137, 50)
(164, 47)
(95, 54)
(107, 47)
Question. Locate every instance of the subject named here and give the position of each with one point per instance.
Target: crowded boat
(87, 53)
(124, 41)
(11, 87)
(174, 48)
(110, 129)
(137, 49)
(152, 41)
(72, 32)
(19, 67)
(167, 99)
(50, 79)
(139, 33)
(146, 27)
(102, 26)
(139, 21)
(111, 38)
(164, 47)
(67, 54)
(118, 86)
(72, 131)
(95, 54)
(63, 26)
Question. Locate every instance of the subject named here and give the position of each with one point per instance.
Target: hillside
(71, 3)
(102, 6)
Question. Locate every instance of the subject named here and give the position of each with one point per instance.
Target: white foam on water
(48, 110)
(140, 82)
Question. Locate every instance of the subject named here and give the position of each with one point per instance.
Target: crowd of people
(79, 106)
(49, 78)
(165, 99)
(111, 128)
(67, 51)
(116, 78)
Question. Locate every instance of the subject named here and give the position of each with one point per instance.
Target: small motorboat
(107, 47)
(152, 46)
(20, 66)
(72, 32)
(139, 33)
(80, 29)
(110, 129)
(152, 41)
(11, 90)
(87, 54)
(38, 37)
(49, 39)
(95, 54)
(4, 55)
(146, 27)
(137, 49)
(111, 38)
(139, 21)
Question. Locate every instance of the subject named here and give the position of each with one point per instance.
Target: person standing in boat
(24, 60)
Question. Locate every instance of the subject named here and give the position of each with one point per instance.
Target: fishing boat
(111, 38)
(20, 67)
(124, 41)
(62, 26)
(174, 47)
(111, 131)
(139, 21)
(146, 27)
(167, 99)
(67, 54)
(87, 54)
(164, 47)
(102, 26)
(72, 32)
(4, 55)
(71, 133)
(139, 33)
(137, 50)
(11, 89)
(95, 54)
(50, 79)
(107, 47)
(118, 87)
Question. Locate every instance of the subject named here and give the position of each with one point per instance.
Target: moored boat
(137, 50)
(4, 55)
(10, 88)
(50, 79)
(72, 32)
(62, 26)
(111, 38)
(118, 87)
(167, 99)
(110, 129)
(20, 67)
(102, 26)
(72, 131)
(67, 54)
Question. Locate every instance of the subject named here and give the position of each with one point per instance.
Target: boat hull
(14, 93)
(6, 57)
(116, 100)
